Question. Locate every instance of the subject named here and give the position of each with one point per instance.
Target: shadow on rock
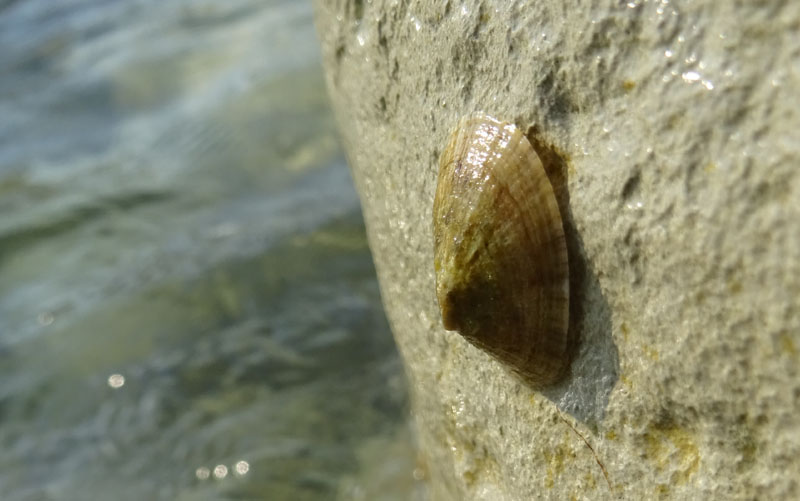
(595, 365)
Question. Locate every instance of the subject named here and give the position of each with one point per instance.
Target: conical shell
(500, 253)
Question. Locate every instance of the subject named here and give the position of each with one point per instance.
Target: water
(188, 308)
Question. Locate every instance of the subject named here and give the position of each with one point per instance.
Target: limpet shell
(500, 255)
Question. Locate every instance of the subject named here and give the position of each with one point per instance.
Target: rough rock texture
(672, 134)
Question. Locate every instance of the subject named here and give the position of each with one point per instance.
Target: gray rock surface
(672, 133)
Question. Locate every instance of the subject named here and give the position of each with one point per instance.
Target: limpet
(500, 255)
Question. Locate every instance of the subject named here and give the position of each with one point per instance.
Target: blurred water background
(188, 308)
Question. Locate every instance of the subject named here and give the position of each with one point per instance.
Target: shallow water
(188, 308)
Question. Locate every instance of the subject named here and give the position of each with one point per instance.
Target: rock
(672, 135)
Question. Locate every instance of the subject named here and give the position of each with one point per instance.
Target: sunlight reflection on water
(188, 308)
